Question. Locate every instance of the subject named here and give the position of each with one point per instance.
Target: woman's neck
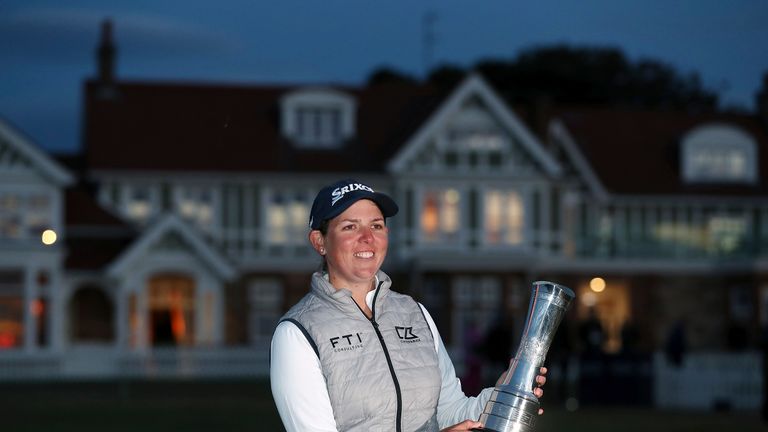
(359, 292)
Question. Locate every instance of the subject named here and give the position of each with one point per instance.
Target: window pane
(287, 218)
(139, 204)
(38, 214)
(265, 299)
(504, 217)
(441, 215)
(195, 204)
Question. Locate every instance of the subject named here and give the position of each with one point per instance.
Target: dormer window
(719, 154)
(317, 118)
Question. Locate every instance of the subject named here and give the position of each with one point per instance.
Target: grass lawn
(149, 406)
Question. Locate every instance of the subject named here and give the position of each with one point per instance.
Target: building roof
(155, 126)
(207, 127)
(638, 152)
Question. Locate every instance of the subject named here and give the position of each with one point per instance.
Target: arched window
(719, 153)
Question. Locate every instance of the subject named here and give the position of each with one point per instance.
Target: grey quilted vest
(382, 373)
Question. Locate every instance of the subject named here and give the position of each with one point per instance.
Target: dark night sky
(47, 46)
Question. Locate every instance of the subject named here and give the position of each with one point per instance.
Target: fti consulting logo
(347, 342)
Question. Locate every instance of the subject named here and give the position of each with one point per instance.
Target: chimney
(106, 54)
(761, 101)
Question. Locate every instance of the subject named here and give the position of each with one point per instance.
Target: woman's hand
(540, 381)
(466, 425)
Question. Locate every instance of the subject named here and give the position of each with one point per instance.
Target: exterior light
(597, 284)
(49, 237)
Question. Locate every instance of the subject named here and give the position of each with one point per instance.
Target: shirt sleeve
(453, 406)
(297, 381)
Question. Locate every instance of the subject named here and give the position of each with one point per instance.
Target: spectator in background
(592, 334)
(764, 349)
(629, 338)
(472, 380)
(676, 344)
(497, 345)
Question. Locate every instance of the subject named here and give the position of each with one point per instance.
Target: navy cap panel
(332, 200)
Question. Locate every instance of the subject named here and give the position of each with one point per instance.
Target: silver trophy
(513, 406)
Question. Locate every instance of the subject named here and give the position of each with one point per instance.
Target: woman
(353, 354)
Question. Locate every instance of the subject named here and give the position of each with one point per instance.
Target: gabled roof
(170, 224)
(229, 128)
(638, 152)
(26, 150)
(475, 86)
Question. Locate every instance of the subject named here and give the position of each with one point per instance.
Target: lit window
(440, 215)
(726, 233)
(37, 214)
(139, 203)
(195, 204)
(504, 217)
(10, 216)
(717, 235)
(719, 153)
(287, 216)
(24, 215)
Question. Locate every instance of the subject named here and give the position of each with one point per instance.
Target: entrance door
(171, 310)
(605, 304)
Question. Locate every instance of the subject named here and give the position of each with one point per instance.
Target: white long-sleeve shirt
(301, 395)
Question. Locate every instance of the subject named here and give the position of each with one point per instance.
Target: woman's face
(355, 244)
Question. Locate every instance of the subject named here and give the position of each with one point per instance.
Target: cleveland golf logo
(406, 334)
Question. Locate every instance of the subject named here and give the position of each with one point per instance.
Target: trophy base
(509, 412)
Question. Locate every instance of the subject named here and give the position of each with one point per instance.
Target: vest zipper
(372, 319)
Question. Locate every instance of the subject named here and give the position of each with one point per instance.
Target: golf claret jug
(513, 406)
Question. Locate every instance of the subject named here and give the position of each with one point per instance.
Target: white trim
(317, 98)
(719, 137)
(168, 223)
(559, 132)
(473, 85)
(50, 169)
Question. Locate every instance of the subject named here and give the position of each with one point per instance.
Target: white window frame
(710, 153)
(330, 115)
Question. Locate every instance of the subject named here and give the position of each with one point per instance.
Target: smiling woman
(353, 354)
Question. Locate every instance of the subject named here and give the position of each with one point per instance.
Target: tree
(384, 74)
(583, 75)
